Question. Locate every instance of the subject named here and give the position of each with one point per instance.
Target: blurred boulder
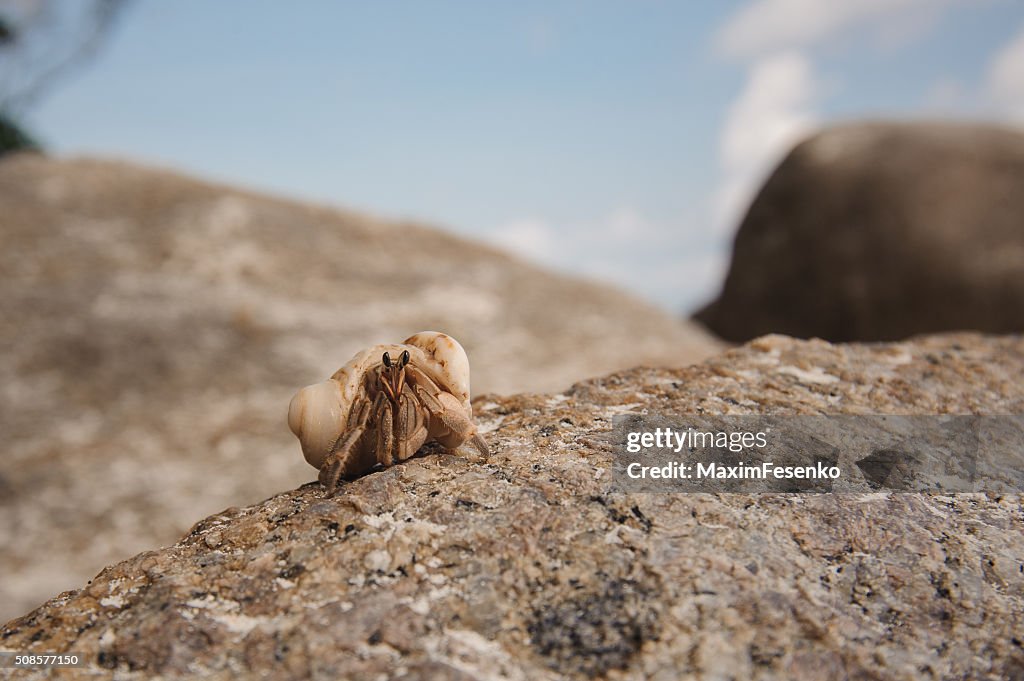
(155, 327)
(878, 231)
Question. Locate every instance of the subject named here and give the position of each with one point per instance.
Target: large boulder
(155, 327)
(532, 566)
(878, 231)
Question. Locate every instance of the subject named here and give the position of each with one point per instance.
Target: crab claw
(449, 365)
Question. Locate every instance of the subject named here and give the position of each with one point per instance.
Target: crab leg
(410, 425)
(446, 410)
(385, 427)
(342, 452)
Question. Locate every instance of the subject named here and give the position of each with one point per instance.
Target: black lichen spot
(634, 517)
(501, 474)
(292, 571)
(890, 468)
(593, 632)
(644, 520)
(764, 657)
(616, 515)
(942, 589)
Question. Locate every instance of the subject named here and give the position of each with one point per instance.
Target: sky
(621, 141)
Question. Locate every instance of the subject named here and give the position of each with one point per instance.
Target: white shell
(449, 367)
(318, 413)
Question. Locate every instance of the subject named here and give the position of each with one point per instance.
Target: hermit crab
(384, 405)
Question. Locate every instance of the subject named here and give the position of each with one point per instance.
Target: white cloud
(777, 41)
(1005, 78)
(624, 224)
(774, 110)
(539, 240)
(624, 247)
(689, 279)
(531, 238)
(766, 26)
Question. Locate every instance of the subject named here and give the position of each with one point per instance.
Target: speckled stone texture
(527, 567)
(154, 328)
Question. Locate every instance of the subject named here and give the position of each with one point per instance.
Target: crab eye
(387, 360)
(405, 357)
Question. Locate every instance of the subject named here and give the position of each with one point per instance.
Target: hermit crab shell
(318, 413)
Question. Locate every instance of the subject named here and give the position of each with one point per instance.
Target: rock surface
(880, 232)
(528, 566)
(155, 327)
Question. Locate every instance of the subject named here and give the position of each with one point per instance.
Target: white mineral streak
(816, 375)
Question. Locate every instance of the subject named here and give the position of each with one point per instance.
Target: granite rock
(880, 231)
(529, 565)
(154, 328)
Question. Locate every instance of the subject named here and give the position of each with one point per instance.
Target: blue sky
(617, 140)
